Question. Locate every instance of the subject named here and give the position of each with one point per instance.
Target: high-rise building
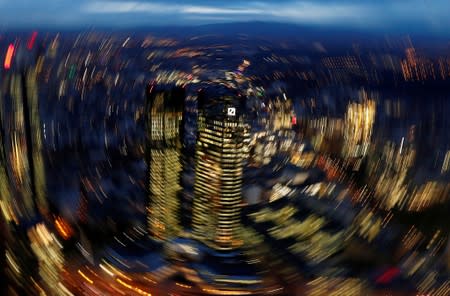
(23, 143)
(22, 176)
(165, 105)
(220, 155)
(358, 127)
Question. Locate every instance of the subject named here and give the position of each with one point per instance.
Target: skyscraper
(220, 154)
(359, 121)
(165, 106)
(23, 144)
(22, 176)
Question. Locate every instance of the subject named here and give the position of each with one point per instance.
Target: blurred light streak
(85, 277)
(9, 56)
(32, 40)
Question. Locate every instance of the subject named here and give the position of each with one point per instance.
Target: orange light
(63, 228)
(85, 277)
(9, 56)
(136, 289)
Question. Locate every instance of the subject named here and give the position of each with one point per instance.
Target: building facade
(220, 155)
(23, 144)
(165, 105)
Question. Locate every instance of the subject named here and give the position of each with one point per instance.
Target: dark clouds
(370, 14)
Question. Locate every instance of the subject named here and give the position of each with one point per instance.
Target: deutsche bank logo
(231, 111)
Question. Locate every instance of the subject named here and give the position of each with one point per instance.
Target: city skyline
(198, 163)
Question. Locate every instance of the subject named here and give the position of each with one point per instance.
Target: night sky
(416, 15)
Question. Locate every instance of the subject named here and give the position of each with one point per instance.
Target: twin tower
(219, 160)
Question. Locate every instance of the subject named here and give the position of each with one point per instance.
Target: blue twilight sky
(367, 14)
